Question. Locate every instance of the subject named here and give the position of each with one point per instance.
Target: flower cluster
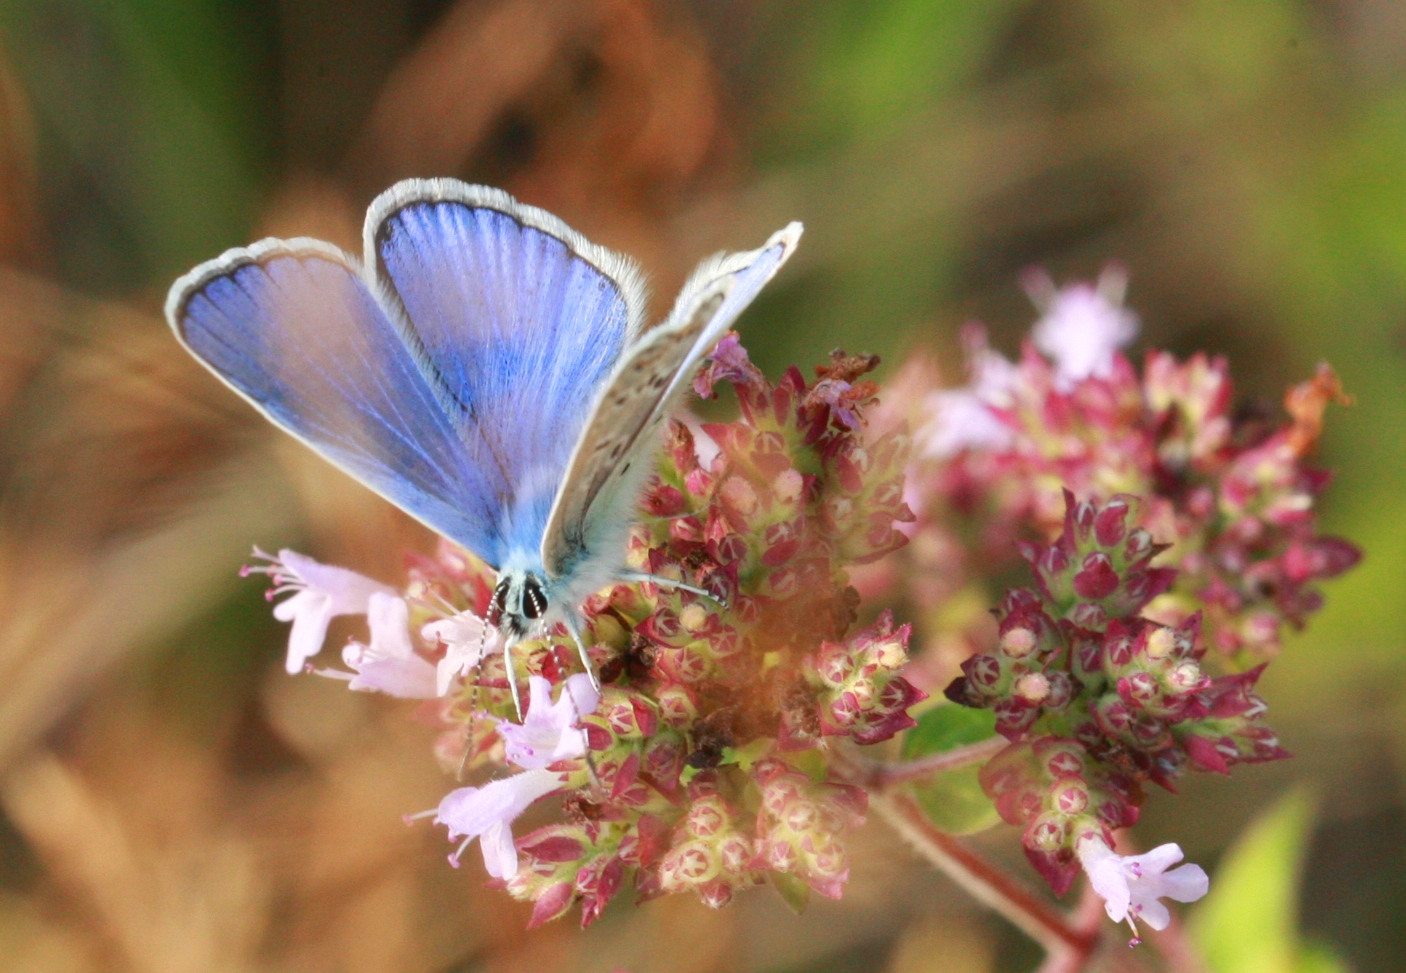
(1160, 594)
(702, 764)
(1170, 538)
(1229, 491)
(1096, 699)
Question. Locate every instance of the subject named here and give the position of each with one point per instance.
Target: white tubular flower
(960, 420)
(320, 593)
(390, 663)
(962, 417)
(488, 812)
(1131, 886)
(467, 638)
(1081, 327)
(551, 732)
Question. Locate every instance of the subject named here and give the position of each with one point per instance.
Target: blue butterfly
(488, 371)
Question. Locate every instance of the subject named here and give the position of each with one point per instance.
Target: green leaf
(747, 757)
(953, 801)
(1249, 922)
(947, 727)
(1317, 957)
(794, 892)
(812, 763)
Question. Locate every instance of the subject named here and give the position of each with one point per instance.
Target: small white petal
(348, 590)
(584, 695)
(389, 620)
(318, 593)
(1106, 876)
(308, 633)
(1081, 328)
(960, 420)
(499, 852)
(1156, 861)
(390, 664)
(412, 678)
(467, 640)
(1185, 884)
(549, 731)
(1152, 912)
(470, 811)
(1132, 887)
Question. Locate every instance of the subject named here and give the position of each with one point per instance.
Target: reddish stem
(987, 883)
(881, 776)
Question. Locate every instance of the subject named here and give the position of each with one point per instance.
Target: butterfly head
(519, 602)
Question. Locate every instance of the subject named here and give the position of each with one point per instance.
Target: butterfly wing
(591, 513)
(520, 320)
(294, 328)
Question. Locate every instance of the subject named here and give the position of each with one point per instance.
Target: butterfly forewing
(488, 375)
(294, 328)
(595, 502)
(519, 318)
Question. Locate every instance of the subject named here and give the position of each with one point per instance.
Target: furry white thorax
(516, 609)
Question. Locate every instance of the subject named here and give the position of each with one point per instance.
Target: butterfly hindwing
(520, 319)
(294, 327)
(594, 504)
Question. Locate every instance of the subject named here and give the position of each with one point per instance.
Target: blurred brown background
(170, 800)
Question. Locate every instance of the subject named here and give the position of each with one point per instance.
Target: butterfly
(487, 370)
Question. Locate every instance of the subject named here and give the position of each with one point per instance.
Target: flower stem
(988, 884)
(1087, 918)
(881, 776)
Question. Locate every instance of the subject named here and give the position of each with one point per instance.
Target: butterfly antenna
(573, 625)
(473, 713)
(671, 584)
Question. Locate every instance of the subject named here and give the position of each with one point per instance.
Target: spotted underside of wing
(295, 329)
(612, 458)
(520, 319)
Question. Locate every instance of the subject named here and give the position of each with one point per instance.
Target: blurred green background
(172, 801)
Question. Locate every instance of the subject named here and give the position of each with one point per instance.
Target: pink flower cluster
(1159, 594)
(1171, 541)
(1230, 492)
(701, 765)
(1096, 699)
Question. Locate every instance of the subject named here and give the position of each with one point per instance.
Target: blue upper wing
(520, 321)
(294, 327)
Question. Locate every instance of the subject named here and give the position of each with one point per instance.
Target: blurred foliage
(1246, 161)
(1249, 922)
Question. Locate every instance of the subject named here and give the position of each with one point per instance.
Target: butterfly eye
(499, 603)
(534, 603)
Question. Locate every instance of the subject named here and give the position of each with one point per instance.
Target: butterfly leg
(670, 583)
(512, 679)
(573, 625)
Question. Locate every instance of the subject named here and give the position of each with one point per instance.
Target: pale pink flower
(550, 732)
(1132, 885)
(962, 418)
(320, 592)
(488, 813)
(467, 639)
(390, 663)
(1081, 327)
(704, 446)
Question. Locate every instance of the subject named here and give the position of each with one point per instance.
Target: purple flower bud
(1096, 578)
